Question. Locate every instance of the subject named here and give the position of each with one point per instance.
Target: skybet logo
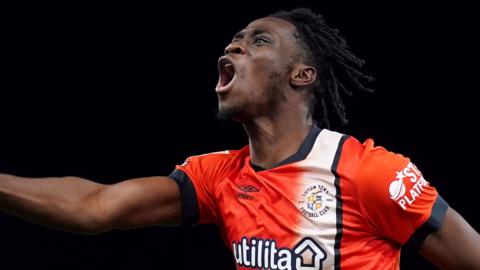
(405, 195)
(258, 253)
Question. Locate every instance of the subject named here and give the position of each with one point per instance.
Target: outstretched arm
(79, 205)
(455, 246)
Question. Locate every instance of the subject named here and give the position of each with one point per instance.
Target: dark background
(115, 91)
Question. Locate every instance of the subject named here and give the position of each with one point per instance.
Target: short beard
(234, 114)
(272, 96)
(224, 115)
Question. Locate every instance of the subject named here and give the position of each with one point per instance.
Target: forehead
(275, 26)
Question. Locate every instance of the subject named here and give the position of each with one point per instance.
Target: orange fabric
(269, 213)
(205, 171)
(380, 173)
(384, 199)
(375, 225)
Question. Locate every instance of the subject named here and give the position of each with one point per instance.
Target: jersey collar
(301, 154)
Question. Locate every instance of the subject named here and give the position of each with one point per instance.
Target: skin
(268, 97)
(274, 112)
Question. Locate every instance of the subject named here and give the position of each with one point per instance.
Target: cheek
(265, 63)
(264, 70)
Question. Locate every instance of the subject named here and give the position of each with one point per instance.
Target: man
(298, 196)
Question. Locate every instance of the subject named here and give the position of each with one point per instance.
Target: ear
(302, 75)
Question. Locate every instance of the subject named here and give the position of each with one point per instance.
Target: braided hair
(337, 67)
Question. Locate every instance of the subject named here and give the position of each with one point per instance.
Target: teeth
(229, 71)
(228, 68)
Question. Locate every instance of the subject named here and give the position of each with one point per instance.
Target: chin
(225, 113)
(231, 113)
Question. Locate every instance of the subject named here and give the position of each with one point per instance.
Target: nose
(235, 47)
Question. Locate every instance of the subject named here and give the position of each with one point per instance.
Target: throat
(264, 159)
(272, 151)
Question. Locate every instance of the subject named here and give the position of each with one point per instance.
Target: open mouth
(227, 74)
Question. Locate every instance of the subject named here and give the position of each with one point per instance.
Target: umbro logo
(249, 188)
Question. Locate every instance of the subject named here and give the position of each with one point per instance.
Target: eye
(260, 40)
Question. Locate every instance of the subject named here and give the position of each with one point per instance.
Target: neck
(273, 139)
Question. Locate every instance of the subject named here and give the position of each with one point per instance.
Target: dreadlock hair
(337, 67)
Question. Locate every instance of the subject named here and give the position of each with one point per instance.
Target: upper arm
(455, 246)
(198, 179)
(395, 197)
(138, 202)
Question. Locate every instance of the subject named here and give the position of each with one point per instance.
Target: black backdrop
(114, 91)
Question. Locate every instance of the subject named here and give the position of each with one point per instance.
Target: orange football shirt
(335, 204)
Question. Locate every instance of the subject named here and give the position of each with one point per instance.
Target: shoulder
(368, 164)
(215, 163)
(386, 176)
(213, 158)
(377, 161)
(367, 156)
(392, 193)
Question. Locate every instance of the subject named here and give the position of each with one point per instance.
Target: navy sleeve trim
(433, 224)
(188, 197)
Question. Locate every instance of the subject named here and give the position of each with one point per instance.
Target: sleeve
(398, 202)
(196, 179)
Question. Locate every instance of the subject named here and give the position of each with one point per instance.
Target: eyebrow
(241, 34)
